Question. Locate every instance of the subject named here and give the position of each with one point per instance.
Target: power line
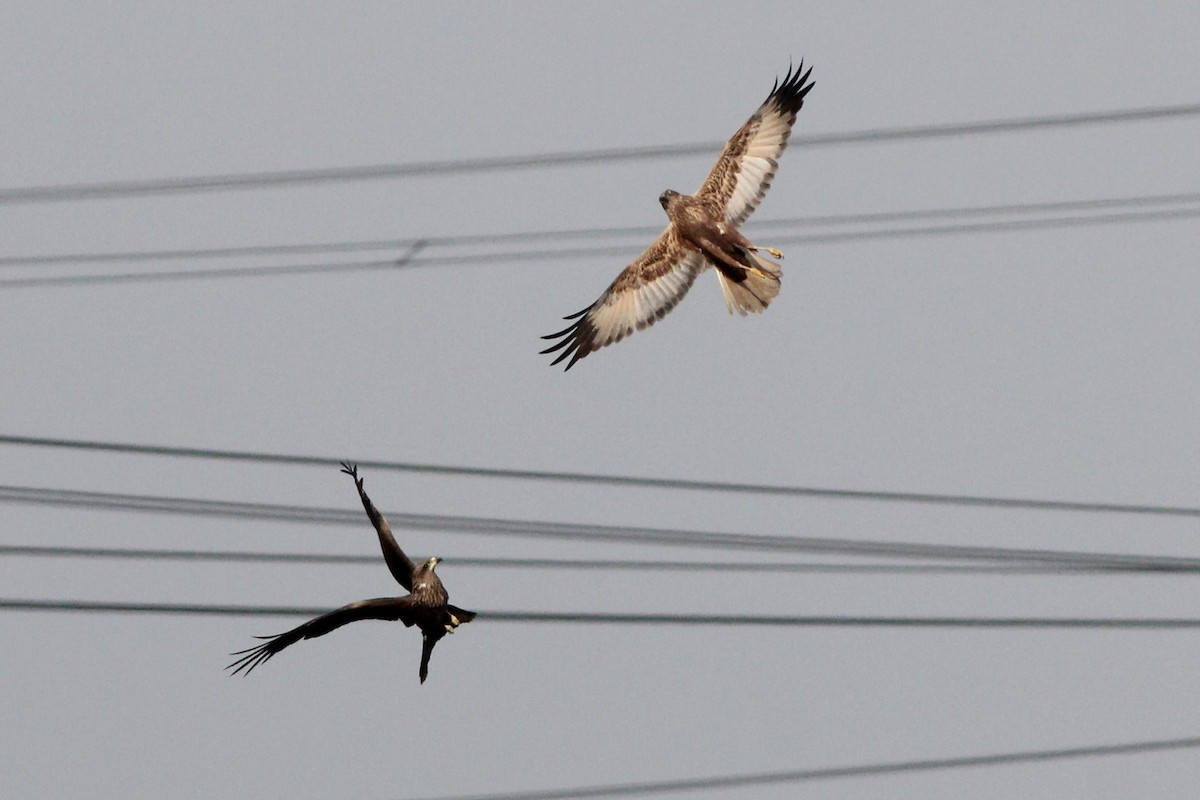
(254, 180)
(591, 618)
(818, 221)
(589, 564)
(265, 271)
(408, 259)
(606, 534)
(855, 771)
(925, 498)
(220, 273)
(835, 621)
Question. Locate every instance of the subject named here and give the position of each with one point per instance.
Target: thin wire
(583, 252)
(222, 273)
(854, 771)
(587, 618)
(370, 245)
(925, 498)
(836, 621)
(589, 564)
(408, 259)
(607, 534)
(256, 180)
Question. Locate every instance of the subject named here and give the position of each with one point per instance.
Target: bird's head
(425, 567)
(666, 197)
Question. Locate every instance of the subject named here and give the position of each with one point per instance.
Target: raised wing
(400, 564)
(387, 608)
(640, 296)
(745, 169)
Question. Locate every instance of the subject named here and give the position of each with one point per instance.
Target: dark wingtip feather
(576, 345)
(574, 340)
(549, 350)
(563, 332)
(568, 335)
(789, 94)
(570, 327)
(579, 314)
(568, 352)
(250, 659)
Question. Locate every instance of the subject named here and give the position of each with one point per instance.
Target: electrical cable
(603, 618)
(818, 221)
(607, 534)
(853, 771)
(925, 498)
(221, 273)
(589, 564)
(252, 180)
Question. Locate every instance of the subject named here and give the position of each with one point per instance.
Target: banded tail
(750, 290)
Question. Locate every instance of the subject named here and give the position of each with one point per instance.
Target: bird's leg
(742, 241)
(776, 254)
(740, 265)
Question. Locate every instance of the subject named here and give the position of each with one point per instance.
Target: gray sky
(1052, 363)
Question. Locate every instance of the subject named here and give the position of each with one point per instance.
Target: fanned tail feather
(757, 287)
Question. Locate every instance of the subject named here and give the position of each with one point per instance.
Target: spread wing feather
(640, 296)
(386, 608)
(747, 166)
(400, 565)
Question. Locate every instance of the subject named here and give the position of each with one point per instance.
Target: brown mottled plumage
(702, 232)
(426, 605)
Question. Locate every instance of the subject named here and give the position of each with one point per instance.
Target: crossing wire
(617, 252)
(812, 221)
(590, 564)
(827, 773)
(258, 180)
(730, 781)
(681, 484)
(603, 618)
(601, 534)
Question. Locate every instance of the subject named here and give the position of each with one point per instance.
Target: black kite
(425, 606)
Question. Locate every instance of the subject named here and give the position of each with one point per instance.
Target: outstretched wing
(401, 565)
(388, 608)
(640, 296)
(745, 169)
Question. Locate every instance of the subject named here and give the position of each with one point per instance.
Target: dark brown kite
(425, 606)
(703, 232)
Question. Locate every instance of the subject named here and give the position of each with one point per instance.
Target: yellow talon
(774, 253)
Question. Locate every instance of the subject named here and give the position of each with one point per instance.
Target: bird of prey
(426, 606)
(702, 232)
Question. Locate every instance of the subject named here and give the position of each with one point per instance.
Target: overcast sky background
(1056, 363)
